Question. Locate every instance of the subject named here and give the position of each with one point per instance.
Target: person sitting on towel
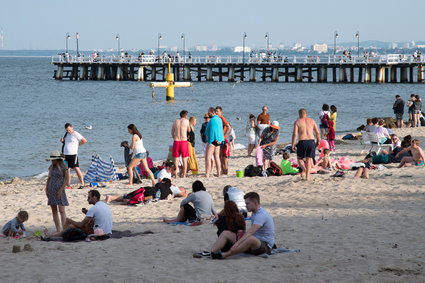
(259, 239)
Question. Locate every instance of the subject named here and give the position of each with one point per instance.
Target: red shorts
(180, 148)
(225, 148)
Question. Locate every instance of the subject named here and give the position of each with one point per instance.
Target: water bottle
(158, 195)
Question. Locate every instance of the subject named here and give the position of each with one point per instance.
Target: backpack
(253, 171)
(73, 235)
(325, 119)
(275, 169)
(136, 197)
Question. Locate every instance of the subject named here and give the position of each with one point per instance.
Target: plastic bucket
(239, 174)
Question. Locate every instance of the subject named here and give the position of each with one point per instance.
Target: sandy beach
(348, 230)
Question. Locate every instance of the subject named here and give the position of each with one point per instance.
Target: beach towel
(101, 171)
(115, 235)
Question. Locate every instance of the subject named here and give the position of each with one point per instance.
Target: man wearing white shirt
(71, 141)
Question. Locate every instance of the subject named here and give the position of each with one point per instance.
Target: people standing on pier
(179, 133)
(225, 146)
(139, 154)
(263, 120)
(305, 129)
(192, 162)
(324, 118)
(215, 137)
(251, 133)
(398, 108)
(333, 116)
(71, 141)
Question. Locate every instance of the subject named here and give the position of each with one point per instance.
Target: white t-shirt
(175, 190)
(71, 143)
(236, 195)
(163, 174)
(101, 213)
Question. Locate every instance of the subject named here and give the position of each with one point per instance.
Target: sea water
(35, 107)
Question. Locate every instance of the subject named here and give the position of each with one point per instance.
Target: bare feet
(165, 220)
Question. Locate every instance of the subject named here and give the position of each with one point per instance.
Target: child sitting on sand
(286, 165)
(417, 157)
(15, 227)
(325, 161)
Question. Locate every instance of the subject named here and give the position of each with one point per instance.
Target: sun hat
(275, 125)
(55, 155)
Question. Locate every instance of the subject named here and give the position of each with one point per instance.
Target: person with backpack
(324, 120)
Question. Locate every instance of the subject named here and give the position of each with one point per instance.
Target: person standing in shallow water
(333, 116)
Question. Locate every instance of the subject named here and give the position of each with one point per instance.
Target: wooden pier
(394, 68)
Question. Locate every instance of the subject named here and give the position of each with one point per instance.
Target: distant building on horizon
(320, 47)
(393, 45)
(241, 49)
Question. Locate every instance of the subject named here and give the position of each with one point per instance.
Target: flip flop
(81, 187)
(69, 188)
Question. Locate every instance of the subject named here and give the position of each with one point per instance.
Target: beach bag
(253, 171)
(259, 156)
(137, 197)
(275, 169)
(73, 235)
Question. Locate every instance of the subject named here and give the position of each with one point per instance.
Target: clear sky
(29, 24)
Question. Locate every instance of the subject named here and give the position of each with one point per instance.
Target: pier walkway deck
(392, 68)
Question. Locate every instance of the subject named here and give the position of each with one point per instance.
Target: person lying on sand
(168, 191)
(417, 157)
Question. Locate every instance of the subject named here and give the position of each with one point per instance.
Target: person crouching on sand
(15, 227)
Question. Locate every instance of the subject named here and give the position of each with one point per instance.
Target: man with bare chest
(306, 130)
(180, 145)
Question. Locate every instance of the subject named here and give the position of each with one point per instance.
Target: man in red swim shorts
(180, 146)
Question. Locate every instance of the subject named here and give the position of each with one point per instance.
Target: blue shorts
(306, 148)
(142, 155)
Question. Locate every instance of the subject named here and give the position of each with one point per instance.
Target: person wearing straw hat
(55, 188)
(267, 142)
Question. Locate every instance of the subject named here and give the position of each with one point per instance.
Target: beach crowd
(218, 137)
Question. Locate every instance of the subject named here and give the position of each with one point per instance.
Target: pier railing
(260, 60)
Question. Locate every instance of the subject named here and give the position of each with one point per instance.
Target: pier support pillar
(100, 73)
(252, 74)
(352, 75)
(231, 77)
(209, 74)
(118, 77)
(368, 75)
(275, 74)
(286, 74)
(393, 74)
(310, 74)
(403, 76)
(153, 74)
(387, 77)
(412, 78)
(298, 74)
(141, 73)
(342, 75)
(381, 75)
(360, 75)
(325, 74)
(83, 73)
(334, 74)
(187, 75)
(420, 74)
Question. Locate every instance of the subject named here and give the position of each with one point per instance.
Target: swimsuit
(306, 148)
